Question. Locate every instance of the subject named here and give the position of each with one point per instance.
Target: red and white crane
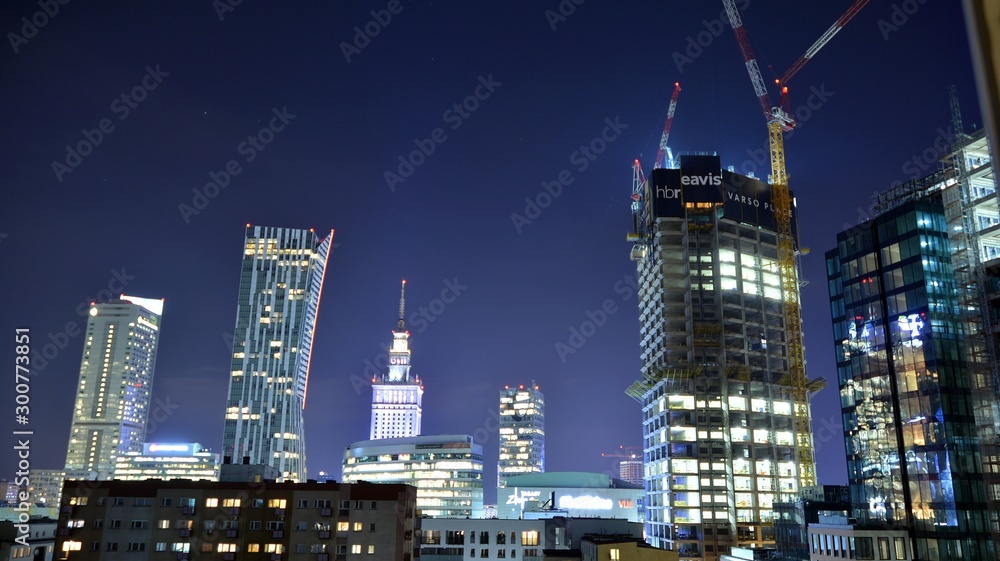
(664, 158)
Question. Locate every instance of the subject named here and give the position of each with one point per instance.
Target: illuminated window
(226, 548)
(358, 526)
(253, 548)
(231, 503)
(371, 550)
(274, 548)
(276, 503)
(615, 554)
(343, 526)
(356, 548)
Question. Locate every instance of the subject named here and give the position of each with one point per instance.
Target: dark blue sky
(878, 95)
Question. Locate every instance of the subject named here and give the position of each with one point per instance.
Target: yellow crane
(780, 121)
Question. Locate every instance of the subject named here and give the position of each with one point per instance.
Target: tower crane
(664, 157)
(779, 121)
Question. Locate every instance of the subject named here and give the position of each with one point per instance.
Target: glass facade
(522, 432)
(909, 424)
(447, 471)
(280, 286)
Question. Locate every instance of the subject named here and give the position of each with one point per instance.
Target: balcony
(185, 533)
(279, 512)
(277, 534)
(64, 531)
(326, 512)
(234, 511)
(229, 556)
(324, 534)
(231, 533)
(275, 557)
(183, 555)
(188, 511)
(323, 557)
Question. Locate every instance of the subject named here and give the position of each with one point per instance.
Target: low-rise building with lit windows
(168, 461)
(34, 541)
(447, 471)
(453, 539)
(834, 539)
(179, 519)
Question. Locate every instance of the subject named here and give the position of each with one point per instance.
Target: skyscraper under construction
(725, 433)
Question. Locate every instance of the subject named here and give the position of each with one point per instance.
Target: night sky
(198, 85)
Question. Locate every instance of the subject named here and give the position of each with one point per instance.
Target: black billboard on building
(701, 179)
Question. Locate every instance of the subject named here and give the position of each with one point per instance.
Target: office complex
(280, 287)
(724, 435)
(447, 471)
(906, 386)
(116, 376)
(168, 461)
(397, 395)
(177, 520)
(522, 432)
(46, 486)
(631, 471)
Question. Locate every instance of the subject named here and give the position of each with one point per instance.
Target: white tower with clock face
(396, 395)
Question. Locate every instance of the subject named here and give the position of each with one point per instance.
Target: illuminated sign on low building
(171, 448)
(523, 497)
(586, 502)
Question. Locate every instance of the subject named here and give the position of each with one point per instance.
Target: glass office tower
(522, 432)
(279, 296)
(909, 425)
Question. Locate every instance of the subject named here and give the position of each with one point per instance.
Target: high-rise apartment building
(906, 386)
(116, 376)
(397, 395)
(280, 287)
(522, 432)
(724, 438)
